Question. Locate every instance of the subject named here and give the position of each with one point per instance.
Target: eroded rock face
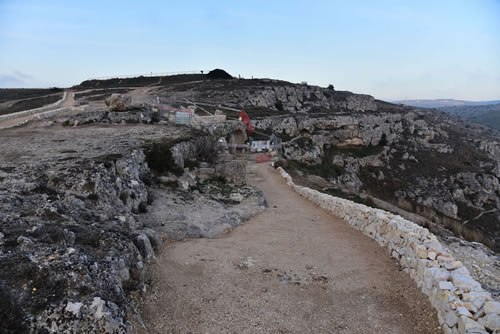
(119, 102)
(303, 150)
(277, 95)
(413, 159)
(140, 115)
(76, 231)
(232, 171)
(53, 230)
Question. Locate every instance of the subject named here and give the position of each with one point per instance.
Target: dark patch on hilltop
(9, 94)
(140, 81)
(218, 74)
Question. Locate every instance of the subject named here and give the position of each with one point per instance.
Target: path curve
(68, 102)
(294, 268)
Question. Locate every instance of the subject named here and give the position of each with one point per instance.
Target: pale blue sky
(390, 49)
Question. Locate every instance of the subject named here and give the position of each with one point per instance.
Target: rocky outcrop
(232, 171)
(138, 116)
(71, 229)
(276, 95)
(360, 130)
(119, 102)
(76, 227)
(302, 149)
(280, 125)
(412, 159)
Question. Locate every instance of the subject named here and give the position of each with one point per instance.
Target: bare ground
(294, 268)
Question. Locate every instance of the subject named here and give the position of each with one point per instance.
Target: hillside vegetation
(487, 115)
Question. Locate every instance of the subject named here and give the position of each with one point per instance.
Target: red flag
(248, 123)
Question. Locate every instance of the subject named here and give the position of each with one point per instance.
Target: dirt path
(292, 269)
(67, 103)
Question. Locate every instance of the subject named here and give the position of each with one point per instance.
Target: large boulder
(232, 171)
(302, 149)
(119, 102)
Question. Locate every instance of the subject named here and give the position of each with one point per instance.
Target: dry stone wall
(462, 305)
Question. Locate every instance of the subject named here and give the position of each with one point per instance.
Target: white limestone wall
(462, 305)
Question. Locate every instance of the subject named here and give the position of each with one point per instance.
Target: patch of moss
(159, 156)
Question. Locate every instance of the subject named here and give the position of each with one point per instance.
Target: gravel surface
(293, 268)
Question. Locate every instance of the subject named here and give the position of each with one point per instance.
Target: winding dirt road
(67, 103)
(294, 268)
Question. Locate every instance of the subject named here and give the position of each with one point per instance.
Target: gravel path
(293, 268)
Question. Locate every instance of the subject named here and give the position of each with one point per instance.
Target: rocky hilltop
(87, 199)
(413, 161)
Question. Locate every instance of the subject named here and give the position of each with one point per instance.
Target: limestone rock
(451, 318)
(491, 321)
(465, 324)
(465, 283)
(74, 308)
(119, 102)
(144, 245)
(302, 149)
(492, 307)
(232, 171)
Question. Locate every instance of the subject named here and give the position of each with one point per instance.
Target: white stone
(433, 275)
(492, 307)
(434, 245)
(451, 318)
(465, 324)
(460, 271)
(491, 321)
(476, 331)
(452, 265)
(447, 330)
(74, 308)
(432, 255)
(98, 305)
(476, 298)
(466, 283)
(462, 311)
(446, 285)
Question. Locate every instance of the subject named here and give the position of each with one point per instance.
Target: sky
(390, 49)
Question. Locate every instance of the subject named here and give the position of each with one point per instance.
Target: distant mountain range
(438, 103)
(486, 113)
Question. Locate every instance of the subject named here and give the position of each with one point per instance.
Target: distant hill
(487, 115)
(439, 103)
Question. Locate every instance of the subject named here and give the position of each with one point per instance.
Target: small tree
(330, 87)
